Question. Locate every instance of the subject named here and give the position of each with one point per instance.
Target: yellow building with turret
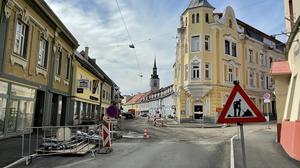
(213, 50)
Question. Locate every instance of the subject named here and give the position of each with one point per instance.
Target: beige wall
(27, 67)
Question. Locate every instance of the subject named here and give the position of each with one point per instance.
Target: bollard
(145, 133)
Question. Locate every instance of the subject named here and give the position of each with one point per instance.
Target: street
(183, 145)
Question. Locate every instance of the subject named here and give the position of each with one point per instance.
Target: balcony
(197, 90)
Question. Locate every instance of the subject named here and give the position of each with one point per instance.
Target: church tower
(154, 80)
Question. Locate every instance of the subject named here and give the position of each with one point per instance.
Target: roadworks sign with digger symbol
(240, 109)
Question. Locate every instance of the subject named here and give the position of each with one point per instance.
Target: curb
(232, 152)
(26, 159)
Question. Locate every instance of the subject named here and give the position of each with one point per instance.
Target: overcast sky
(152, 25)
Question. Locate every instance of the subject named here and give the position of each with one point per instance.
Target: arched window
(193, 18)
(197, 18)
(196, 69)
(206, 18)
(230, 23)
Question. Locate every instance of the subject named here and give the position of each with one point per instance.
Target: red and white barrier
(106, 134)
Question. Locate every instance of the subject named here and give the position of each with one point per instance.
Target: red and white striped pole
(106, 134)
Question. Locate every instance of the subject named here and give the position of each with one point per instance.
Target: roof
(257, 34)
(137, 98)
(200, 3)
(280, 68)
(86, 64)
(54, 18)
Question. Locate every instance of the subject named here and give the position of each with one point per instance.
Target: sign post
(240, 109)
(266, 101)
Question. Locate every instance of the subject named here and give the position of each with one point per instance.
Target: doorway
(39, 109)
(198, 112)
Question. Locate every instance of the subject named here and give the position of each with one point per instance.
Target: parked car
(144, 115)
(127, 115)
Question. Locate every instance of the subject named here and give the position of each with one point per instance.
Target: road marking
(232, 152)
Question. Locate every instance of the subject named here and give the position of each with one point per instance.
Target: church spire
(154, 81)
(200, 3)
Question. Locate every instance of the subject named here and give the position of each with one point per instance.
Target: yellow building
(86, 90)
(35, 66)
(287, 82)
(213, 50)
(106, 96)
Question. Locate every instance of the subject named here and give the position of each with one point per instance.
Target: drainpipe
(291, 10)
(101, 86)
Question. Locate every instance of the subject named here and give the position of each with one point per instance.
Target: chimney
(291, 9)
(86, 52)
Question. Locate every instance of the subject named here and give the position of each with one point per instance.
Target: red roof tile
(136, 98)
(280, 68)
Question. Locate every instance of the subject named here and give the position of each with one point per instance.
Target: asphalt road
(166, 147)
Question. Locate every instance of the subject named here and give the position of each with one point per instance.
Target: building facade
(162, 101)
(213, 50)
(86, 91)
(286, 75)
(36, 67)
(39, 71)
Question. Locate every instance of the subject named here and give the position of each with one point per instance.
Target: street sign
(267, 98)
(239, 108)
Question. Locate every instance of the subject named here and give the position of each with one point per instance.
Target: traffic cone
(145, 133)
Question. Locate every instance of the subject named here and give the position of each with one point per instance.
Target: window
(155, 83)
(42, 57)
(227, 47)
(186, 21)
(20, 39)
(193, 18)
(58, 63)
(186, 72)
(68, 68)
(207, 71)
(103, 94)
(267, 83)
(250, 56)
(196, 71)
(197, 18)
(230, 23)
(195, 43)
(262, 58)
(262, 81)
(230, 74)
(207, 42)
(206, 18)
(233, 47)
(251, 78)
(270, 61)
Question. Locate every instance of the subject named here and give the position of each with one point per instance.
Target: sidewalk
(262, 150)
(11, 150)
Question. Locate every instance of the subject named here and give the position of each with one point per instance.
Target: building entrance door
(198, 112)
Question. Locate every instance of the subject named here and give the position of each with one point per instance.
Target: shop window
(25, 114)
(2, 114)
(22, 91)
(21, 39)
(3, 87)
